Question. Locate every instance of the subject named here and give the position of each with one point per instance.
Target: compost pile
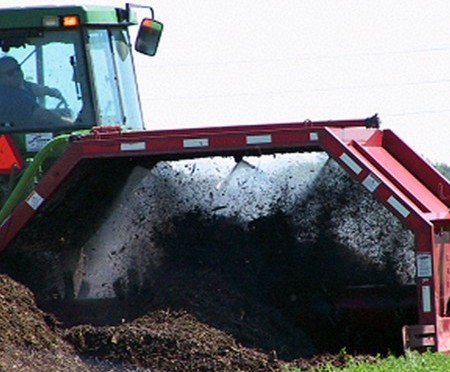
(28, 342)
(219, 267)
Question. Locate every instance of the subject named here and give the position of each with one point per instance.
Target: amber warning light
(70, 21)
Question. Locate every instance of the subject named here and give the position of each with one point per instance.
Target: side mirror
(148, 36)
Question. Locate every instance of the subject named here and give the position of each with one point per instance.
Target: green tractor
(64, 70)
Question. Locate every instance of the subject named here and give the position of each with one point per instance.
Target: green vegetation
(444, 169)
(412, 361)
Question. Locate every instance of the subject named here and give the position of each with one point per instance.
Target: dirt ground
(225, 296)
(214, 307)
(162, 340)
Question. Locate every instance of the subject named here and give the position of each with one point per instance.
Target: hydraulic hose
(29, 174)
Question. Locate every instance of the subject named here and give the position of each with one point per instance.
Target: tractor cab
(69, 68)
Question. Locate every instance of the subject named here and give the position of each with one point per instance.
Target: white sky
(245, 62)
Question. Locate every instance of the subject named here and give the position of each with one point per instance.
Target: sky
(246, 62)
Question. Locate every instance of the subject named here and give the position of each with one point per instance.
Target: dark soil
(225, 299)
(27, 341)
(162, 340)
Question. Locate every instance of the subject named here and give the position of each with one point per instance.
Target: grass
(412, 361)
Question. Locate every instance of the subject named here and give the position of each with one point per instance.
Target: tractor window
(126, 78)
(113, 74)
(109, 109)
(51, 75)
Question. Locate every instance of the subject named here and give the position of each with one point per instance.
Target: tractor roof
(32, 17)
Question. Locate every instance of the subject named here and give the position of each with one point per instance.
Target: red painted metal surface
(385, 166)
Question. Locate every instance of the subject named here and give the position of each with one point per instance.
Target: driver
(18, 104)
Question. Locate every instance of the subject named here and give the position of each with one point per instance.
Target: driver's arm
(42, 90)
(43, 116)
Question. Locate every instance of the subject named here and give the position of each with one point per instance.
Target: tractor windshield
(45, 80)
(50, 82)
